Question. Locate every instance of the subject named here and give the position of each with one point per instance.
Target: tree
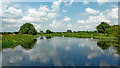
(27, 28)
(69, 31)
(48, 31)
(102, 28)
(41, 32)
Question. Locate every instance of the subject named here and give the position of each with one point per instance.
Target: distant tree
(102, 28)
(69, 31)
(74, 32)
(41, 32)
(48, 31)
(27, 28)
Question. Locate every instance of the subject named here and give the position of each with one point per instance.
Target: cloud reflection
(57, 51)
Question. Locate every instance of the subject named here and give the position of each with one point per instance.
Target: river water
(60, 51)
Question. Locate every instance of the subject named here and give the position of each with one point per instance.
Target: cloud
(64, 10)
(67, 19)
(32, 15)
(52, 15)
(70, 26)
(43, 8)
(95, 19)
(16, 5)
(80, 21)
(109, 16)
(12, 12)
(3, 7)
(13, 20)
(101, 2)
(112, 13)
(56, 6)
(85, 2)
(68, 4)
(92, 11)
(0, 9)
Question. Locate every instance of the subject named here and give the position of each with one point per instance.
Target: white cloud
(64, 10)
(56, 6)
(13, 20)
(0, 9)
(42, 15)
(52, 15)
(69, 4)
(85, 2)
(43, 8)
(80, 21)
(67, 19)
(57, 25)
(70, 26)
(101, 2)
(92, 11)
(12, 12)
(112, 13)
(16, 5)
(100, 18)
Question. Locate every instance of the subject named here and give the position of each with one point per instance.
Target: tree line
(28, 28)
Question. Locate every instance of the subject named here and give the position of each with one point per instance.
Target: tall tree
(48, 31)
(69, 31)
(27, 28)
(41, 32)
(102, 28)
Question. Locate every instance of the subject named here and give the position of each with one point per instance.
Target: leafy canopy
(48, 31)
(102, 28)
(69, 31)
(27, 28)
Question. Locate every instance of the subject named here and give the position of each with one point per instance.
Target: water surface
(60, 51)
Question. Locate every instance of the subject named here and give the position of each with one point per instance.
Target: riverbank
(10, 41)
(82, 35)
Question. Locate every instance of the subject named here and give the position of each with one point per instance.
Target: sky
(58, 16)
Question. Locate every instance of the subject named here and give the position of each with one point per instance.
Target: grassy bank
(10, 41)
(83, 35)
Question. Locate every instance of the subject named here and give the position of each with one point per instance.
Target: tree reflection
(117, 48)
(41, 37)
(106, 44)
(103, 45)
(28, 44)
(49, 37)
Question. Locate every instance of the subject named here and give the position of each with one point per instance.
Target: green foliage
(27, 28)
(102, 28)
(10, 41)
(69, 31)
(48, 31)
(41, 32)
(113, 30)
(28, 44)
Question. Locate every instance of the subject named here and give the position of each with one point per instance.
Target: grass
(10, 41)
(83, 35)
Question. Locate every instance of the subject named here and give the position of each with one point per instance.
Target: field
(10, 41)
(93, 35)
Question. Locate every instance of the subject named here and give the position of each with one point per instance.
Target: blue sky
(59, 16)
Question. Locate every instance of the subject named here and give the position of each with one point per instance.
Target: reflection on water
(46, 37)
(41, 37)
(103, 44)
(49, 37)
(29, 44)
(106, 44)
(60, 51)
